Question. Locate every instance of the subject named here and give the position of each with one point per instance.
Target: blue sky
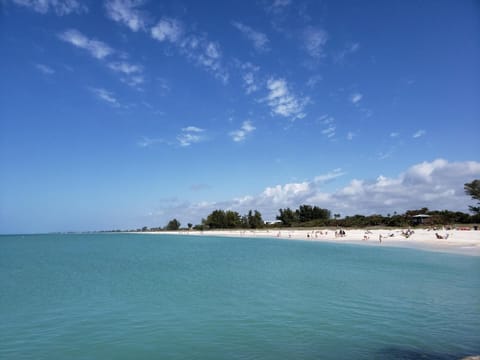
(125, 113)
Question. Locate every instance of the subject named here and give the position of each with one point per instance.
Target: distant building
(273, 222)
(421, 219)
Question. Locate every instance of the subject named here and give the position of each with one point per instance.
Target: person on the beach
(380, 238)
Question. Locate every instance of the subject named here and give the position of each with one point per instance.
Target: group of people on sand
(441, 237)
(340, 233)
(316, 233)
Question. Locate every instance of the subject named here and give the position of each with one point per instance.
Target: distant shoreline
(464, 242)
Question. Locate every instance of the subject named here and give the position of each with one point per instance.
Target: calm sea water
(119, 296)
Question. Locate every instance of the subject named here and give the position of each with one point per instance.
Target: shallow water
(131, 296)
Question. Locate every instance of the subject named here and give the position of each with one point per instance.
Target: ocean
(138, 296)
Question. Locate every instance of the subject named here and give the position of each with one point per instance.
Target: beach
(462, 240)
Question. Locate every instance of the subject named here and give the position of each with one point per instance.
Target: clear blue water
(121, 296)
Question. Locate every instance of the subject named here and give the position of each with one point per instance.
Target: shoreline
(463, 242)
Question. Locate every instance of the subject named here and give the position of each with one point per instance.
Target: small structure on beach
(420, 219)
(273, 222)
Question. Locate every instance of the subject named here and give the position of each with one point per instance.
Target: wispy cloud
(394, 134)
(97, 49)
(197, 48)
(314, 80)
(125, 67)
(148, 142)
(168, 29)
(59, 7)
(126, 12)
(355, 98)
(283, 102)
(106, 96)
(329, 128)
(132, 74)
(260, 40)
(276, 6)
(206, 54)
(351, 135)
(419, 133)
(328, 177)
(240, 134)
(348, 50)
(47, 70)
(190, 135)
(314, 40)
(249, 76)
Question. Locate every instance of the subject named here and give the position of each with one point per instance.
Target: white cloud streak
(314, 40)
(355, 98)
(148, 142)
(132, 74)
(47, 70)
(125, 68)
(59, 7)
(106, 96)
(249, 76)
(190, 135)
(197, 48)
(240, 134)
(418, 134)
(283, 102)
(348, 50)
(167, 29)
(96, 48)
(260, 40)
(126, 12)
(329, 129)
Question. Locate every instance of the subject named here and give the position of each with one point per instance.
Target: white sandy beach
(459, 241)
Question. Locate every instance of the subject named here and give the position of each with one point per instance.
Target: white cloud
(314, 80)
(277, 6)
(193, 129)
(125, 68)
(349, 49)
(190, 135)
(250, 84)
(283, 102)
(147, 142)
(106, 96)
(96, 48)
(419, 133)
(436, 185)
(355, 98)
(45, 69)
(197, 48)
(134, 81)
(60, 7)
(394, 134)
(350, 135)
(168, 29)
(124, 11)
(260, 40)
(249, 76)
(132, 74)
(314, 41)
(240, 135)
(324, 178)
(329, 129)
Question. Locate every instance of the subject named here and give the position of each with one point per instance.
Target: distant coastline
(455, 241)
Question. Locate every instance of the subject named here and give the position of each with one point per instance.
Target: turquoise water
(122, 296)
